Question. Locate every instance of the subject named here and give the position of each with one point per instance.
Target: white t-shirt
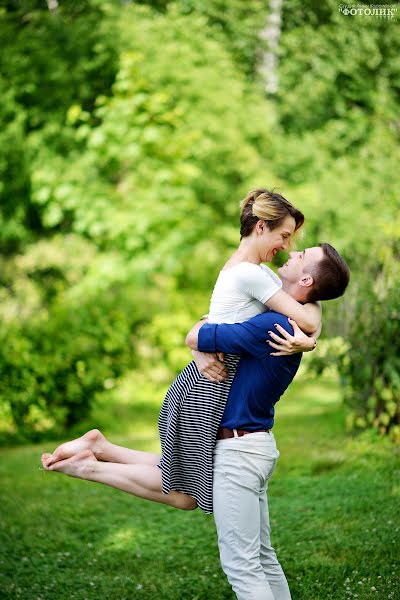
(241, 292)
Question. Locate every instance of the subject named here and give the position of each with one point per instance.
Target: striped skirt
(189, 419)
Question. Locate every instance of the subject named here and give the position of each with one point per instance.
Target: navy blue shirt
(260, 378)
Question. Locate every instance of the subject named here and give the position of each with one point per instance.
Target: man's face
(300, 264)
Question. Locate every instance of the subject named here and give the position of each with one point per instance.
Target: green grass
(334, 505)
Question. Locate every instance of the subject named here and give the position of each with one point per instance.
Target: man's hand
(211, 365)
(291, 344)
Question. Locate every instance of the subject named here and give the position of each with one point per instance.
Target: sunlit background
(129, 132)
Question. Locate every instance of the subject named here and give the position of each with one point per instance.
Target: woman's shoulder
(248, 276)
(242, 269)
(247, 271)
(240, 265)
(268, 271)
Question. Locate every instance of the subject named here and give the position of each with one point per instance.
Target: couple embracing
(218, 448)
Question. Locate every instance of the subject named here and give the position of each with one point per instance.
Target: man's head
(317, 273)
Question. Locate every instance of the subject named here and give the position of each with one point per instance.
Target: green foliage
(236, 24)
(337, 104)
(128, 134)
(50, 61)
(67, 332)
(171, 150)
(342, 66)
(233, 23)
(57, 58)
(367, 357)
(359, 186)
(370, 369)
(125, 170)
(16, 216)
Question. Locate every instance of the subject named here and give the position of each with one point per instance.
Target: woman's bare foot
(80, 465)
(92, 440)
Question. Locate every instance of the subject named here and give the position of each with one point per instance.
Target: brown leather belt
(224, 433)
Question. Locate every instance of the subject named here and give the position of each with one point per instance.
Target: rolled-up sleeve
(206, 338)
(236, 338)
(241, 338)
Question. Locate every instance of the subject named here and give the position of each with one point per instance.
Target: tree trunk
(270, 35)
(52, 4)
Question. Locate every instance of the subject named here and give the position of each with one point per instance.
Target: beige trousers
(242, 468)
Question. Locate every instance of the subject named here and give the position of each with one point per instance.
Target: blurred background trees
(129, 132)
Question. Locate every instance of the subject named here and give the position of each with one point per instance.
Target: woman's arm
(307, 316)
(211, 366)
(192, 336)
(286, 344)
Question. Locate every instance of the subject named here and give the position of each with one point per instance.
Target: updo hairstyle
(269, 207)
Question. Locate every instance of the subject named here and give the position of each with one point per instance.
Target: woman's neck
(245, 253)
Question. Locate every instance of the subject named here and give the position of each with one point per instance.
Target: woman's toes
(77, 465)
(46, 458)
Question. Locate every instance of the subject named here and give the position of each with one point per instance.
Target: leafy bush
(15, 214)
(50, 60)
(80, 66)
(370, 369)
(367, 354)
(233, 23)
(51, 369)
(236, 24)
(68, 317)
(332, 66)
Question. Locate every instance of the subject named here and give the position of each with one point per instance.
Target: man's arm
(210, 365)
(236, 338)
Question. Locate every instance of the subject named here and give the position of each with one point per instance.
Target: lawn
(334, 503)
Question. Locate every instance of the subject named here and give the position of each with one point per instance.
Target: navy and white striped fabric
(189, 419)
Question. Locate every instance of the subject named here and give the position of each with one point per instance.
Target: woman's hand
(211, 365)
(291, 344)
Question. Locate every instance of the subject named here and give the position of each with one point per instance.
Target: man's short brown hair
(331, 275)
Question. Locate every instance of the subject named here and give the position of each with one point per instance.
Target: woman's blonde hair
(269, 207)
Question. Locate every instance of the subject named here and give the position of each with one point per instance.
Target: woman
(193, 406)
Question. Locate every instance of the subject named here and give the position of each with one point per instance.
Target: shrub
(68, 315)
(370, 370)
(52, 368)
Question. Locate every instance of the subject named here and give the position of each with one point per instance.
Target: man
(245, 454)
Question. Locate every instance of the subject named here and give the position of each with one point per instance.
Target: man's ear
(306, 281)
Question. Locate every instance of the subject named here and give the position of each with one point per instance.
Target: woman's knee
(184, 502)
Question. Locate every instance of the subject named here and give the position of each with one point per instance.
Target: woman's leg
(103, 450)
(142, 480)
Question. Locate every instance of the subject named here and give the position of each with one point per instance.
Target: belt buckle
(235, 433)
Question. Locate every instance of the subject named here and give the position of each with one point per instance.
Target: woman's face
(270, 242)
